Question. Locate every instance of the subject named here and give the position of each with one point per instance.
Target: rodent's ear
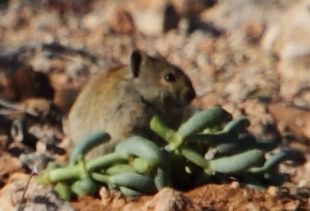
(135, 62)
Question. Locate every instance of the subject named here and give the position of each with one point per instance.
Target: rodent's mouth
(185, 99)
(182, 100)
(189, 96)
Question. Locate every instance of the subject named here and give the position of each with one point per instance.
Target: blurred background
(237, 49)
(237, 53)
(250, 56)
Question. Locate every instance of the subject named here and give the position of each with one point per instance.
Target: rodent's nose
(191, 94)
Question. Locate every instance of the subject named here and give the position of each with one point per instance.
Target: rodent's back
(100, 104)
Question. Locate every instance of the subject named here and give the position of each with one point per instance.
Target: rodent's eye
(170, 77)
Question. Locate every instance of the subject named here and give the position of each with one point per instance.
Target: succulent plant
(138, 166)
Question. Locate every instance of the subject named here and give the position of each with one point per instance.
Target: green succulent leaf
(63, 190)
(237, 125)
(162, 179)
(134, 181)
(119, 168)
(87, 144)
(143, 166)
(199, 121)
(106, 161)
(66, 173)
(141, 147)
(275, 160)
(84, 186)
(161, 129)
(237, 163)
(194, 157)
(129, 192)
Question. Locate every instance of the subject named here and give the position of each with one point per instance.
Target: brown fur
(121, 104)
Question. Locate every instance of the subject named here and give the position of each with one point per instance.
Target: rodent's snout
(190, 95)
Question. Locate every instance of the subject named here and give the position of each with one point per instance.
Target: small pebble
(272, 190)
(235, 185)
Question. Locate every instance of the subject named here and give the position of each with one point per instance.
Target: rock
(289, 39)
(165, 199)
(36, 196)
(293, 118)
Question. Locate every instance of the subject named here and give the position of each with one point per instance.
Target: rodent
(122, 101)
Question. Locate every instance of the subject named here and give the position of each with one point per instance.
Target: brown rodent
(122, 101)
